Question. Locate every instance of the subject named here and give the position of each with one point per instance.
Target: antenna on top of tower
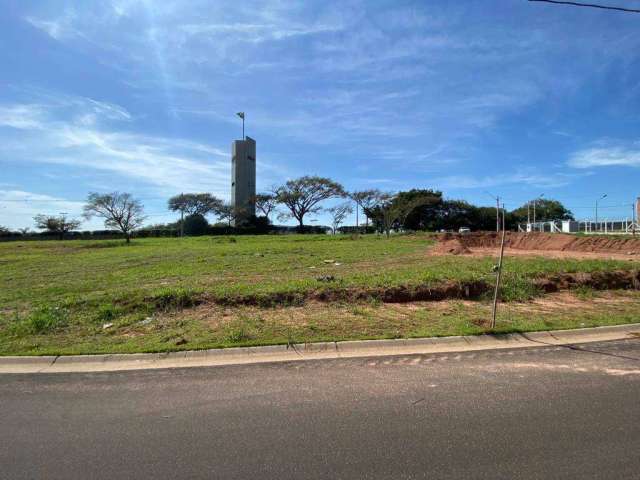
(241, 115)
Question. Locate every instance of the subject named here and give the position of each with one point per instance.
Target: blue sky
(507, 96)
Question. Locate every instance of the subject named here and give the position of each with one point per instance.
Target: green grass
(59, 295)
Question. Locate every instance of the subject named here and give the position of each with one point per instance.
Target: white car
(464, 230)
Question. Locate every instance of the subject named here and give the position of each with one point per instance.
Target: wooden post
(499, 275)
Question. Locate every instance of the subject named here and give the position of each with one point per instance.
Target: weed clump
(519, 288)
(175, 299)
(108, 312)
(43, 320)
(240, 330)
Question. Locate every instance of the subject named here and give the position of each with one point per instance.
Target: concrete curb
(311, 351)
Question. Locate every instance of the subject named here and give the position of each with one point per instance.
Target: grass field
(168, 294)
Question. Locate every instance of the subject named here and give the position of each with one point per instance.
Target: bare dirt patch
(559, 254)
(451, 246)
(562, 245)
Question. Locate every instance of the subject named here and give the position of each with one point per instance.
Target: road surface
(549, 412)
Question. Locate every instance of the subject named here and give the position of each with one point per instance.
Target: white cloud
(18, 207)
(22, 117)
(607, 156)
(58, 28)
(528, 179)
(78, 132)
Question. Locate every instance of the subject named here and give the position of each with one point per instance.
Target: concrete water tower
(243, 178)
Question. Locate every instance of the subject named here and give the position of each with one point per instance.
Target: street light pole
(535, 200)
(497, 199)
(603, 196)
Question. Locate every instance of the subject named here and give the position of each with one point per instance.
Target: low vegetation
(167, 294)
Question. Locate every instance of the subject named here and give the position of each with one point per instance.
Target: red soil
(547, 242)
(452, 246)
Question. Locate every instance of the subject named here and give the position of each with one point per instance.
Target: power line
(590, 5)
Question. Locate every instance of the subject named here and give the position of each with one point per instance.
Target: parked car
(464, 230)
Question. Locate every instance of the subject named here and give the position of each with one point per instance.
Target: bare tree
(119, 210)
(266, 203)
(229, 213)
(302, 195)
(338, 214)
(59, 225)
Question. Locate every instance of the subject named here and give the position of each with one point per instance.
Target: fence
(588, 227)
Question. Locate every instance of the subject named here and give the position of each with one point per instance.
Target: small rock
(328, 261)
(107, 325)
(146, 321)
(337, 264)
(326, 278)
(312, 267)
(181, 341)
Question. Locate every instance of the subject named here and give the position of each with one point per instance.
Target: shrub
(195, 225)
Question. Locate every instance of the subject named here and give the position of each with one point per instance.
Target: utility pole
(529, 214)
(497, 199)
(182, 217)
(535, 200)
(63, 223)
(357, 224)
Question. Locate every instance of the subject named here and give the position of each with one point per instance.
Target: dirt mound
(546, 241)
(606, 280)
(451, 246)
(465, 290)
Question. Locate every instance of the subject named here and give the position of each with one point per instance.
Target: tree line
(297, 199)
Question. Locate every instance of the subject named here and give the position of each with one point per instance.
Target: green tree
(392, 209)
(58, 225)
(195, 204)
(303, 195)
(195, 225)
(547, 210)
(427, 215)
(266, 203)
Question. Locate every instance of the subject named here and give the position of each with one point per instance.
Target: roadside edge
(311, 351)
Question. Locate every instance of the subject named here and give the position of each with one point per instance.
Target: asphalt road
(542, 413)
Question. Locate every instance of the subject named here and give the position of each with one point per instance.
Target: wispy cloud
(607, 154)
(22, 117)
(18, 207)
(79, 133)
(525, 179)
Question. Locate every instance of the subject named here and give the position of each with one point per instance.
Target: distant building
(243, 178)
